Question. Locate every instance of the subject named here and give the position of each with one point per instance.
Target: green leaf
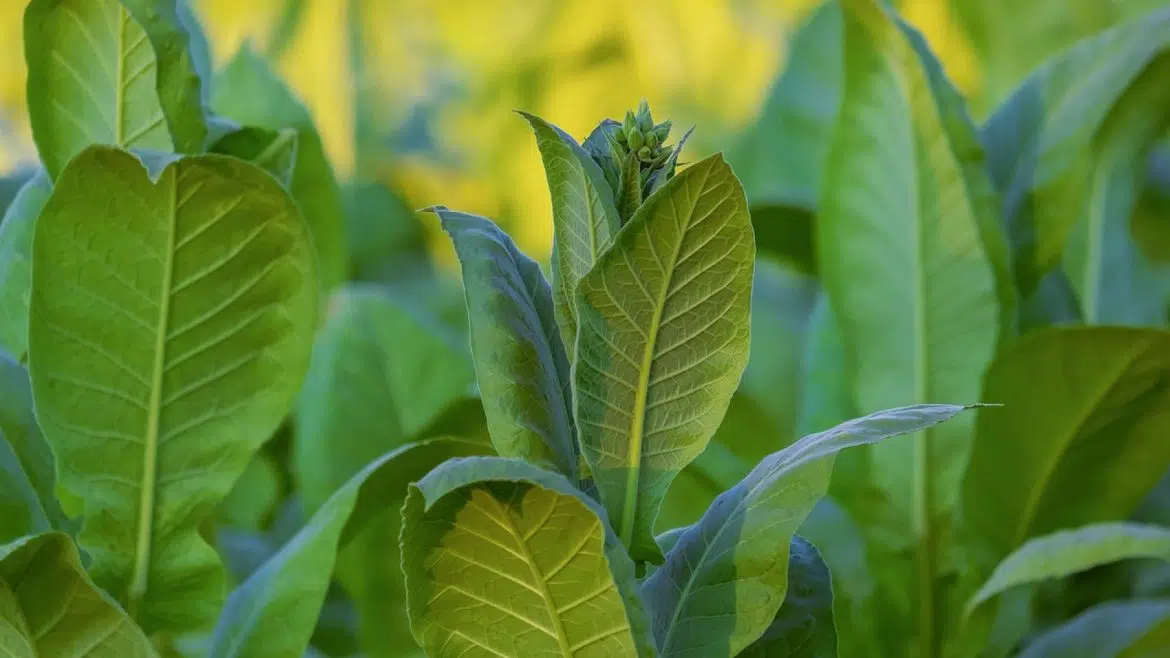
(803, 628)
(16, 236)
(273, 613)
(248, 91)
(630, 189)
(1080, 437)
(1067, 552)
(274, 151)
(505, 559)
(253, 499)
(170, 326)
(1117, 629)
(585, 218)
(110, 72)
(663, 342)
(50, 607)
(724, 580)
(520, 362)
(1061, 146)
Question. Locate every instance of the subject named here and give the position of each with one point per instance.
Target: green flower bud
(645, 122)
(662, 131)
(652, 140)
(644, 153)
(621, 136)
(637, 141)
(630, 124)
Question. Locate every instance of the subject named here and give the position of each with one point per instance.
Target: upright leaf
(115, 72)
(1080, 437)
(520, 362)
(663, 342)
(585, 218)
(803, 628)
(274, 151)
(505, 559)
(170, 325)
(274, 612)
(1117, 629)
(248, 91)
(16, 236)
(726, 577)
(50, 607)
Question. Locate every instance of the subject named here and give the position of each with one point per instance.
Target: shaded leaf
(16, 236)
(1116, 629)
(803, 628)
(274, 151)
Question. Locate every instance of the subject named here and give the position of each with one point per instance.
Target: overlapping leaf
(1117, 629)
(16, 236)
(803, 628)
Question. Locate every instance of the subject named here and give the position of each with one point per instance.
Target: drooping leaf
(585, 218)
(16, 236)
(1061, 147)
(723, 582)
(115, 72)
(505, 559)
(170, 325)
(663, 342)
(273, 613)
(803, 628)
(1079, 439)
(50, 607)
(247, 90)
(1071, 551)
(1116, 629)
(520, 362)
(274, 151)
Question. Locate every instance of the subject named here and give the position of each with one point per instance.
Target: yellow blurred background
(421, 93)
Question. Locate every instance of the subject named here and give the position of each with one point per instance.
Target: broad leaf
(663, 342)
(505, 559)
(520, 362)
(1062, 146)
(249, 92)
(16, 236)
(273, 613)
(170, 325)
(1117, 629)
(803, 628)
(113, 72)
(1065, 553)
(724, 580)
(50, 607)
(585, 218)
(274, 151)
(1080, 437)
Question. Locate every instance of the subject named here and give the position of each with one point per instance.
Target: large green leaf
(505, 559)
(16, 236)
(114, 72)
(247, 90)
(585, 218)
(725, 578)
(273, 613)
(803, 628)
(1117, 629)
(1072, 551)
(50, 607)
(1062, 149)
(520, 362)
(170, 326)
(1080, 437)
(663, 342)
(914, 263)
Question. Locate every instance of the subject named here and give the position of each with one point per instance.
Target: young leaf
(724, 580)
(170, 326)
(1117, 629)
(663, 342)
(505, 559)
(1065, 553)
(585, 218)
(274, 151)
(113, 72)
(273, 613)
(50, 607)
(1080, 437)
(803, 628)
(520, 362)
(249, 92)
(1057, 146)
(16, 236)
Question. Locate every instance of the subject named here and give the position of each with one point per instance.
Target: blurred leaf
(10, 185)
(248, 91)
(386, 242)
(255, 495)
(50, 607)
(16, 236)
(274, 151)
(1116, 629)
(90, 81)
(803, 628)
